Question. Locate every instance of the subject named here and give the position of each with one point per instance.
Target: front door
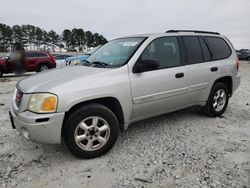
(162, 90)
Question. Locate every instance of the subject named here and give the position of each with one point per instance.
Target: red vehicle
(34, 61)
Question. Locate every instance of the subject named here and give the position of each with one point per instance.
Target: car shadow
(51, 152)
(138, 128)
(196, 111)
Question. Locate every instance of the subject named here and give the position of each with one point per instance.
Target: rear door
(30, 63)
(162, 90)
(201, 70)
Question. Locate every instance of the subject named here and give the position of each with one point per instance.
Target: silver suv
(126, 80)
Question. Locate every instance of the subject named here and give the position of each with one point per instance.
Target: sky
(117, 18)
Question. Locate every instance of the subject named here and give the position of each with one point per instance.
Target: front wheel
(90, 131)
(218, 100)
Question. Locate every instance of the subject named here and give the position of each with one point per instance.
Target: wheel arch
(110, 102)
(43, 63)
(228, 81)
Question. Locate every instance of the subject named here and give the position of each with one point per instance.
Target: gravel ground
(180, 149)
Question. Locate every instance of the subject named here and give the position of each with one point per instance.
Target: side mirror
(146, 65)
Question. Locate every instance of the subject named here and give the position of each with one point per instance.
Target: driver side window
(165, 50)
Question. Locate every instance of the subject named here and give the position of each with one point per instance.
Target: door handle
(214, 69)
(179, 75)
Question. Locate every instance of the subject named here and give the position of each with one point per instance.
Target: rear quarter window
(219, 48)
(40, 54)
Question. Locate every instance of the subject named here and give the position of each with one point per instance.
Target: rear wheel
(43, 67)
(91, 131)
(218, 100)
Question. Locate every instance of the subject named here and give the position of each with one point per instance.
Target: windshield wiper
(87, 63)
(100, 63)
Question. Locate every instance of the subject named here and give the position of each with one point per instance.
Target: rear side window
(205, 51)
(193, 49)
(219, 48)
(30, 54)
(35, 54)
(60, 57)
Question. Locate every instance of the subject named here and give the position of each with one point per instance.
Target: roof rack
(193, 31)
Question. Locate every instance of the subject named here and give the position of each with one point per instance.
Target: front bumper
(44, 128)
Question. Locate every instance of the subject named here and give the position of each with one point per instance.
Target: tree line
(35, 38)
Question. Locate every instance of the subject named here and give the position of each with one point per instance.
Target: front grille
(18, 99)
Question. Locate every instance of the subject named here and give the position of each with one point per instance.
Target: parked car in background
(34, 61)
(238, 54)
(243, 54)
(79, 59)
(60, 59)
(126, 80)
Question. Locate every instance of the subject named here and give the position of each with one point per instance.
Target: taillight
(237, 64)
(52, 58)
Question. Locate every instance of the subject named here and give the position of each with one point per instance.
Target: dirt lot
(181, 149)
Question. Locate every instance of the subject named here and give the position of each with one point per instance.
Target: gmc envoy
(126, 80)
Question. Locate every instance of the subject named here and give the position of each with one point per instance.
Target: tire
(95, 139)
(215, 96)
(43, 67)
(1, 72)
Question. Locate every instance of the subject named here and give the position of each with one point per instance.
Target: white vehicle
(60, 60)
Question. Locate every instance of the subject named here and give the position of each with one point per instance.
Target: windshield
(92, 50)
(116, 52)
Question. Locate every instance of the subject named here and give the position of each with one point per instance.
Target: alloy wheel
(44, 68)
(92, 133)
(219, 100)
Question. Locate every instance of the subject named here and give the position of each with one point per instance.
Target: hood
(47, 81)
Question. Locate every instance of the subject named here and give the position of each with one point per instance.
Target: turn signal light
(49, 104)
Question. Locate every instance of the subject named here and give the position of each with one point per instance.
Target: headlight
(43, 103)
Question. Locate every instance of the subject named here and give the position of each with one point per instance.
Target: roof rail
(193, 31)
